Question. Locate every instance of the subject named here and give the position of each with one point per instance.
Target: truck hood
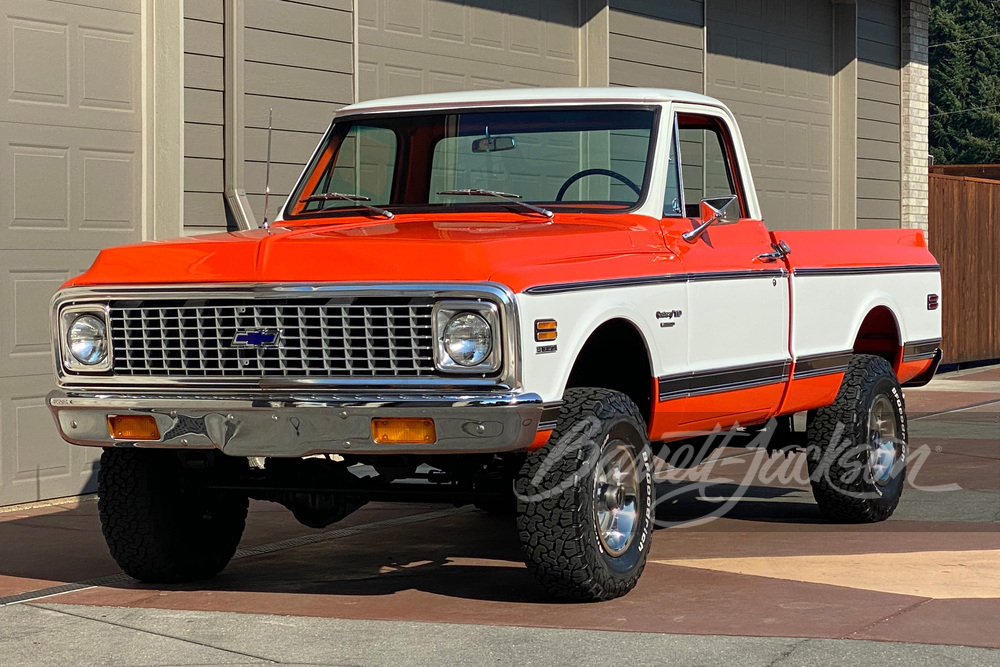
(513, 250)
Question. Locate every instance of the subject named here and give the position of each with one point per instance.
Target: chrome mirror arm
(696, 233)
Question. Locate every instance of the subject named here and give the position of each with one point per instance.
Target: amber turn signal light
(403, 431)
(545, 330)
(133, 427)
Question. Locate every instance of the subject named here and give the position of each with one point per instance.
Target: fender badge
(670, 316)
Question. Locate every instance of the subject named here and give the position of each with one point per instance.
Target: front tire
(857, 445)
(585, 500)
(161, 528)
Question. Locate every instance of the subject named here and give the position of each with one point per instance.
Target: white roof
(530, 97)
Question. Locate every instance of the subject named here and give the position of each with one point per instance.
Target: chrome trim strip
(550, 416)
(815, 365)
(921, 349)
(61, 331)
(700, 383)
(509, 378)
(707, 276)
(867, 270)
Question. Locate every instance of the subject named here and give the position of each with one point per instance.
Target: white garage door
(70, 161)
(431, 46)
(773, 63)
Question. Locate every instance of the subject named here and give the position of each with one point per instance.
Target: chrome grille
(318, 338)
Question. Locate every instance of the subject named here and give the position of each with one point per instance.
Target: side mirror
(716, 209)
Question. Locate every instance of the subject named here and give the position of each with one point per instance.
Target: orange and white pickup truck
(516, 299)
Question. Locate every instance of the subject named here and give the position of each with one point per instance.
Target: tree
(965, 81)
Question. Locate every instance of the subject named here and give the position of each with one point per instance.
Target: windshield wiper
(506, 196)
(338, 196)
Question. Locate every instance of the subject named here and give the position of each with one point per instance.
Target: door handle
(781, 250)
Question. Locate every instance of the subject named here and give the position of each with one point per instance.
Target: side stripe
(550, 416)
(708, 276)
(725, 379)
(814, 365)
(560, 288)
(867, 270)
(921, 349)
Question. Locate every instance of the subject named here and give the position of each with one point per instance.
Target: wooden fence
(964, 231)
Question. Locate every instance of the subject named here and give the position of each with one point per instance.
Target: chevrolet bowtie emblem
(257, 338)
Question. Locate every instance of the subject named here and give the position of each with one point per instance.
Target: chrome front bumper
(295, 426)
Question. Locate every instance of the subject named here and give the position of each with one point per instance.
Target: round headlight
(87, 339)
(468, 339)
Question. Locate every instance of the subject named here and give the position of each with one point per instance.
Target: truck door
(738, 297)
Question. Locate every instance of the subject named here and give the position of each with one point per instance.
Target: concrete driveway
(769, 582)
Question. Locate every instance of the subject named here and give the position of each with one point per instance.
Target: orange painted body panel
(856, 248)
(516, 250)
(513, 249)
(679, 417)
(911, 369)
(724, 247)
(810, 393)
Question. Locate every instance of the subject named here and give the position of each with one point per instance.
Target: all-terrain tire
(840, 441)
(161, 528)
(557, 498)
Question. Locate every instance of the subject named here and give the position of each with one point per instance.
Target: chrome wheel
(886, 448)
(616, 499)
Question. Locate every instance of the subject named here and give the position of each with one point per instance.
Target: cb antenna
(267, 171)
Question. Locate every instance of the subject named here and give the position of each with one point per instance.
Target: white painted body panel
(726, 323)
(580, 314)
(737, 322)
(827, 311)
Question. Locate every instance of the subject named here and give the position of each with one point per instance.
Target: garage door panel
(772, 63)
(68, 187)
(35, 463)
(70, 67)
(70, 184)
(418, 46)
(29, 281)
(128, 6)
(386, 72)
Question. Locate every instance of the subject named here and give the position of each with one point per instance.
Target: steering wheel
(597, 172)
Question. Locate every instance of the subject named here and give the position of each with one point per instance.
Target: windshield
(581, 159)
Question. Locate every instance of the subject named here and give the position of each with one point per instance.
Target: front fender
(546, 371)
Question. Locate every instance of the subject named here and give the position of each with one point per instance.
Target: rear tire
(161, 528)
(857, 445)
(585, 500)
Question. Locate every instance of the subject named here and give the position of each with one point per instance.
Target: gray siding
(299, 61)
(203, 116)
(878, 113)
(657, 44)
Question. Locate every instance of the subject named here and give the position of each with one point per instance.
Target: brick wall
(915, 89)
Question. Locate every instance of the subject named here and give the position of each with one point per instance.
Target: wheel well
(879, 335)
(615, 357)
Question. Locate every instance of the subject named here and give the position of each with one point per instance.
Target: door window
(706, 166)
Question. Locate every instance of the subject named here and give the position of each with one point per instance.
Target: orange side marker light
(546, 330)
